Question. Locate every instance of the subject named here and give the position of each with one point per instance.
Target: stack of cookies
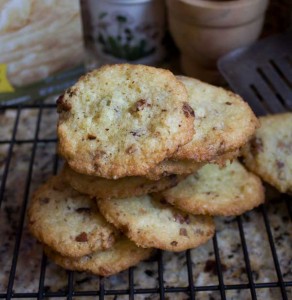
(147, 166)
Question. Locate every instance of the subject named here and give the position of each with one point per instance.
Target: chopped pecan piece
(183, 232)
(188, 111)
(131, 149)
(140, 105)
(82, 237)
(71, 92)
(63, 105)
(256, 145)
(91, 137)
(181, 219)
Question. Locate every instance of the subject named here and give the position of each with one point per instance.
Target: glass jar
(117, 31)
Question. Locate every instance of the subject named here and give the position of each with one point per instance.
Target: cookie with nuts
(122, 255)
(125, 187)
(269, 153)
(224, 122)
(122, 120)
(212, 190)
(186, 166)
(151, 222)
(67, 221)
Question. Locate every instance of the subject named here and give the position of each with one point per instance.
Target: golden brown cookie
(186, 166)
(120, 188)
(269, 153)
(152, 222)
(227, 191)
(169, 166)
(67, 221)
(120, 257)
(224, 122)
(122, 120)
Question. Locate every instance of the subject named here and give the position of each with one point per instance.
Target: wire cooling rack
(250, 256)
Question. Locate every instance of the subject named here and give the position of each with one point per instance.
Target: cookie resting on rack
(224, 122)
(186, 166)
(125, 187)
(67, 221)
(122, 120)
(151, 222)
(123, 255)
(215, 191)
(269, 153)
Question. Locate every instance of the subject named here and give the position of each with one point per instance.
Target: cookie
(120, 188)
(169, 166)
(227, 191)
(122, 120)
(224, 122)
(152, 222)
(120, 257)
(67, 221)
(186, 166)
(269, 154)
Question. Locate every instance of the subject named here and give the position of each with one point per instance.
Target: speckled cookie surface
(269, 154)
(169, 166)
(152, 222)
(121, 120)
(121, 256)
(120, 188)
(227, 191)
(186, 166)
(67, 221)
(224, 122)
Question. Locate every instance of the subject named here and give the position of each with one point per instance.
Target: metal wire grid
(164, 292)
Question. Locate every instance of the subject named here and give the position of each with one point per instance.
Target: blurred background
(46, 45)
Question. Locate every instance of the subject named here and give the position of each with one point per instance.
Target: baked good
(170, 166)
(224, 122)
(186, 166)
(122, 255)
(120, 188)
(151, 222)
(122, 120)
(67, 221)
(227, 191)
(269, 153)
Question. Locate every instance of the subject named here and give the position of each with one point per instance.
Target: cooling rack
(250, 256)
